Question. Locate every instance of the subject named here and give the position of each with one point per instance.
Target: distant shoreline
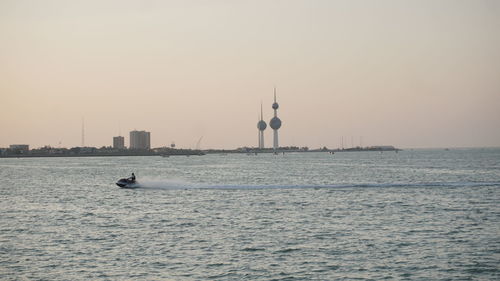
(188, 152)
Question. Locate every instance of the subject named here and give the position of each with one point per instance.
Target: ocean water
(412, 215)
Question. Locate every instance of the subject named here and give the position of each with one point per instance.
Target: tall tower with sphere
(275, 123)
(261, 125)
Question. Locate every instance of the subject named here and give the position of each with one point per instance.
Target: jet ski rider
(132, 177)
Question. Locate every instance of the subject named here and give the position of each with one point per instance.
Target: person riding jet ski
(129, 182)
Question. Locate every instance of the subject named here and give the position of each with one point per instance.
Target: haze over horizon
(403, 73)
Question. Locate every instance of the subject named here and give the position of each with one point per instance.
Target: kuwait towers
(275, 123)
(261, 125)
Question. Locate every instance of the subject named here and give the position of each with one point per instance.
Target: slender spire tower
(275, 123)
(261, 125)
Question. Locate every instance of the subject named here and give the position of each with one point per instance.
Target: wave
(183, 184)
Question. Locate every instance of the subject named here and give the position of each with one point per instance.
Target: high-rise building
(118, 142)
(275, 123)
(140, 140)
(261, 125)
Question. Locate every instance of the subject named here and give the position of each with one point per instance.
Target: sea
(419, 214)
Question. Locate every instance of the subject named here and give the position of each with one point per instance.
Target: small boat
(127, 183)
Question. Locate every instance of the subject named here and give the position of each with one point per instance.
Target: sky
(413, 74)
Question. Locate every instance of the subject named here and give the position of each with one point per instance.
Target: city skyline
(412, 74)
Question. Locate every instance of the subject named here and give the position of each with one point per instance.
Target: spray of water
(161, 183)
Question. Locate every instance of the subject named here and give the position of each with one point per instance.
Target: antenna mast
(198, 143)
(83, 133)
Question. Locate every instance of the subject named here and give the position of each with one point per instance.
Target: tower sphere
(262, 125)
(275, 123)
(275, 106)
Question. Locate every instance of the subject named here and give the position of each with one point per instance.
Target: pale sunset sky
(421, 73)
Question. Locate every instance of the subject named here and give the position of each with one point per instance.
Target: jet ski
(127, 183)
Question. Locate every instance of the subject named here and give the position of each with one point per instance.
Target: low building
(19, 148)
